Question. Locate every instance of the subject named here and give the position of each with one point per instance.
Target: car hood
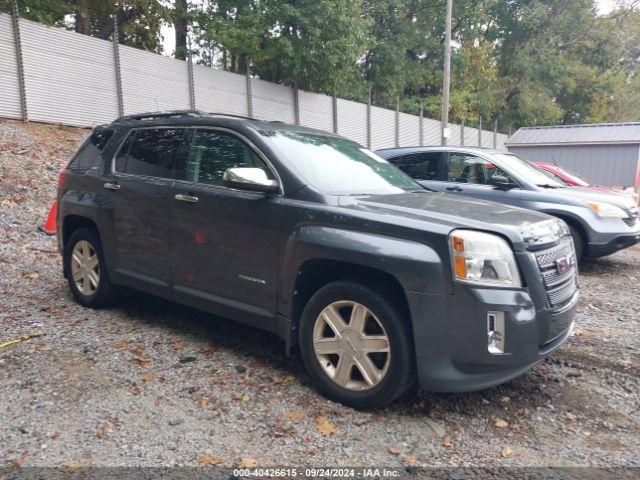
(450, 210)
(590, 194)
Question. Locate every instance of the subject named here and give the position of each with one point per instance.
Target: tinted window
(212, 152)
(466, 168)
(421, 166)
(89, 155)
(121, 159)
(152, 152)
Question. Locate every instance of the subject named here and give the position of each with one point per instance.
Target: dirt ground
(152, 383)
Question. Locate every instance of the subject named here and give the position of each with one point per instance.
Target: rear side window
(151, 152)
(420, 166)
(90, 154)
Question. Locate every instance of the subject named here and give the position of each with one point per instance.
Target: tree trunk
(82, 16)
(181, 26)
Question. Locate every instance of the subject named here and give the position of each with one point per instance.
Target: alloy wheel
(85, 268)
(351, 345)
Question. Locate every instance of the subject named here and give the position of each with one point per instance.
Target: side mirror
(502, 183)
(249, 178)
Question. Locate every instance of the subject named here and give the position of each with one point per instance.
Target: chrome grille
(563, 293)
(547, 258)
(560, 287)
(552, 278)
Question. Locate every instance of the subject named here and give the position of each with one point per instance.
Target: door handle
(186, 198)
(111, 186)
(454, 189)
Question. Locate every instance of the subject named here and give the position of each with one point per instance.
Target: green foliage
(522, 62)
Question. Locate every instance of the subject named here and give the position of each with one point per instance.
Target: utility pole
(447, 74)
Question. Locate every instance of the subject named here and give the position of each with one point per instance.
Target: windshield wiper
(548, 185)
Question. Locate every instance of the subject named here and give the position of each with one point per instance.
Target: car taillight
(62, 178)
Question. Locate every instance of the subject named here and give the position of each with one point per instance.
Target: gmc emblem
(564, 264)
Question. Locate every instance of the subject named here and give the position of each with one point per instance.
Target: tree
(181, 24)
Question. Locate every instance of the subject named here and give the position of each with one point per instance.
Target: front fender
(416, 266)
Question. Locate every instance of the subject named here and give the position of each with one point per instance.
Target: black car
(601, 222)
(378, 283)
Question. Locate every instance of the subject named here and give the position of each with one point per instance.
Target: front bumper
(451, 336)
(612, 243)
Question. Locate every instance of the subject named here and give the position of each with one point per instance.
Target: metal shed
(607, 154)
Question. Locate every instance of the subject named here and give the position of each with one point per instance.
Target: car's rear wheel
(357, 345)
(86, 270)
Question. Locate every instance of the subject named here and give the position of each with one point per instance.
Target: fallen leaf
(206, 351)
(577, 333)
(55, 435)
(74, 467)
(245, 398)
(17, 462)
(572, 416)
(137, 350)
(500, 423)
(393, 451)
(177, 346)
(122, 345)
(248, 462)
(202, 401)
(505, 399)
(289, 378)
(506, 451)
(142, 361)
(410, 459)
(210, 460)
(325, 427)
(586, 433)
(148, 377)
(293, 415)
(447, 441)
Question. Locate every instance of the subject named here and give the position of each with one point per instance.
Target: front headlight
(606, 210)
(483, 259)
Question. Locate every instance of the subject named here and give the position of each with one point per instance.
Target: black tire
(400, 375)
(578, 242)
(106, 293)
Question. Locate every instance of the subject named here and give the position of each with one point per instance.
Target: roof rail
(165, 114)
(243, 117)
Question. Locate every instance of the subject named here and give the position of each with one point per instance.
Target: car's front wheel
(86, 269)
(357, 345)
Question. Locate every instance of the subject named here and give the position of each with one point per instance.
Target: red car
(573, 179)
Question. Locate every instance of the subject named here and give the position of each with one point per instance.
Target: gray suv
(376, 282)
(601, 223)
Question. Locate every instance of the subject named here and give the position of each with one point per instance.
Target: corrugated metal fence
(72, 79)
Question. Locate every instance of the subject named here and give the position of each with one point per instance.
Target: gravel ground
(156, 384)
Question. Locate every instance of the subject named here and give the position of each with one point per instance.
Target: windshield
(519, 167)
(337, 166)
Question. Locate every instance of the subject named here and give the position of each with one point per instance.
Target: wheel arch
(314, 274)
(72, 223)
